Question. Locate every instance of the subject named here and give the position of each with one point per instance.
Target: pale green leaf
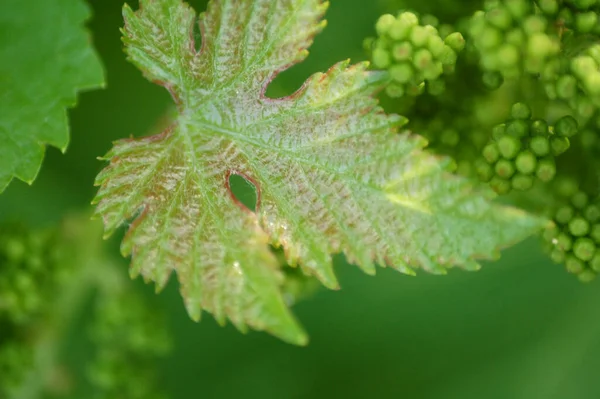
(331, 171)
(47, 57)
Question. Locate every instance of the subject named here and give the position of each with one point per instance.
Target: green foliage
(46, 276)
(505, 92)
(331, 171)
(46, 58)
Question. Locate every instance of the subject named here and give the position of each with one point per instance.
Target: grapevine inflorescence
(43, 273)
(520, 110)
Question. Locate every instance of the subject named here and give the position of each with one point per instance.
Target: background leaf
(46, 58)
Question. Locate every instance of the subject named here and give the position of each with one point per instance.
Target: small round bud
(384, 23)
(517, 128)
(394, 90)
(595, 233)
(509, 146)
(401, 51)
(491, 153)
(546, 170)
(566, 126)
(539, 127)
(522, 182)
(595, 262)
(498, 131)
(579, 200)
(586, 276)
(456, 41)
(401, 73)
(592, 213)
(492, 80)
(504, 168)
(500, 185)
(419, 36)
(485, 171)
(381, 58)
(564, 214)
(584, 249)
(579, 227)
(564, 242)
(558, 255)
(422, 59)
(574, 265)
(566, 86)
(559, 145)
(520, 111)
(540, 146)
(526, 162)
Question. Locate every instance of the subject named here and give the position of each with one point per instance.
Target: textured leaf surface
(331, 171)
(47, 57)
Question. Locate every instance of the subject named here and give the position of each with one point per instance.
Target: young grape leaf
(332, 173)
(46, 58)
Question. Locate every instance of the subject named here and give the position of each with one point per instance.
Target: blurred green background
(520, 328)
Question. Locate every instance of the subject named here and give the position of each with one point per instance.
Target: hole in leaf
(243, 190)
(197, 36)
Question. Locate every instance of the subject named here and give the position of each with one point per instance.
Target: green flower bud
(456, 41)
(526, 162)
(566, 86)
(509, 146)
(595, 262)
(559, 145)
(504, 168)
(520, 111)
(522, 182)
(484, 171)
(539, 127)
(517, 128)
(540, 146)
(401, 73)
(579, 227)
(422, 59)
(548, 6)
(498, 131)
(381, 58)
(384, 23)
(546, 170)
(586, 276)
(436, 46)
(491, 153)
(592, 213)
(586, 22)
(500, 185)
(564, 214)
(399, 31)
(595, 233)
(566, 126)
(402, 51)
(419, 36)
(557, 255)
(492, 80)
(579, 200)
(574, 265)
(584, 249)
(394, 90)
(534, 24)
(489, 38)
(518, 8)
(508, 56)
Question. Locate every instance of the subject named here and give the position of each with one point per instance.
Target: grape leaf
(46, 58)
(332, 173)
